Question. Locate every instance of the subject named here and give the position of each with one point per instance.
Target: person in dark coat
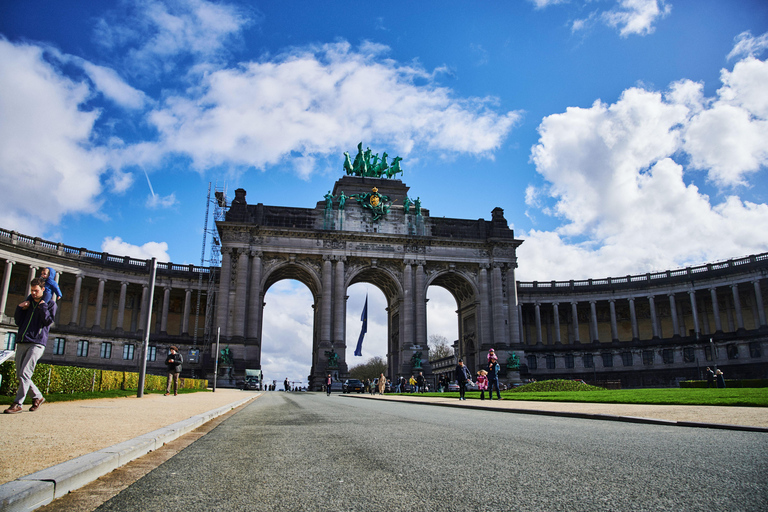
(720, 379)
(710, 377)
(462, 376)
(493, 378)
(173, 361)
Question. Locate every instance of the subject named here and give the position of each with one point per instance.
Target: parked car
(453, 386)
(352, 385)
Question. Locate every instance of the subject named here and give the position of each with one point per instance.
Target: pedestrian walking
(462, 376)
(382, 384)
(420, 382)
(720, 379)
(34, 317)
(710, 377)
(328, 382)
(412, 382)
(173, 361)
(493, 379)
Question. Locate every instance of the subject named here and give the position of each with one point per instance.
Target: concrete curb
(42, 487)
(583, 415)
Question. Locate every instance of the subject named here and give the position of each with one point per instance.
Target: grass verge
(116, 393)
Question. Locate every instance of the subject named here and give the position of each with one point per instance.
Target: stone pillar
(327, 297)
(654, 322)
(238, 307)
(99, 303)
(695, 310)
(499, 331)
(420, 296)
(143, 313)
(760, 305)
(164, 311)
(110, 308)
(673, 313)
(187, 311)
(593, 316)
(485, 313)
(575, 322)
(514, 313)
(76, 299)
(84, 310)
(556, 315)
(614, 326)
(737, 306)
(256, 305)
(537, 312)
(121, 306)
(716, 310)
(6, 286)
(407, 311)
(633, 319)
(339, 304)
(32, 273)
(222, 301)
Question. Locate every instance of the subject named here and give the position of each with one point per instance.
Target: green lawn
(68, 397)
(749, 397)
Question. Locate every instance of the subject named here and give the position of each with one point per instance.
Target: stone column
(339, 304)
(76, 299)
(499, 338)
(556, 315)
(110, 308)
(695, 311)
(222, 300)
(143, 313)
(537, 317)
(614, 326)
(716, 310)
(84, 310)
(759, 302)
(485, 314)
(187, 311)
(593, 310)
(256, 305)
(633, 319)
(121, 306)
(327, 297)
(164, 311)
(654, 322)
(99, 303)
(407, 312)
(737, 306)
(673, 313)
(32, 273)
(420, 296)
(238, 308)
(514, 313)
(575, 322)
(6, 286)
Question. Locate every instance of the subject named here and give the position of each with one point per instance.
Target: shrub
(556, 385)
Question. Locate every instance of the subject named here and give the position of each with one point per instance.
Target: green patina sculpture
(368, 165)
(329, 200)
(416, 359)
(378, 203)
(333, 358)
(417, 206)
(226, 356)
(407, 205)
(342, 200)
(513, 362)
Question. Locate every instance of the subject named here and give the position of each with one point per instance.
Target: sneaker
(36, 403)
(13, 409)
(166, 394)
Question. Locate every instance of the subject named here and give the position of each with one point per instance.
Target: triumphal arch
(370, 229)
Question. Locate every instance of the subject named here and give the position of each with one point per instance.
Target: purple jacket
(34, 321)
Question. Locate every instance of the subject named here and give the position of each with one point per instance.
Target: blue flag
(364, 318)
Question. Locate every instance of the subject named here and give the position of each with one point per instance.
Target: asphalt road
(299, 451)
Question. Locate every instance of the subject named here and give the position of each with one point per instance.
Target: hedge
(729, 383)
(70, 379)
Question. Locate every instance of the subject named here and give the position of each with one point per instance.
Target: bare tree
(439, 347)
(371, 369)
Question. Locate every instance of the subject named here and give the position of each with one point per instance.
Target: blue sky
(618, 136)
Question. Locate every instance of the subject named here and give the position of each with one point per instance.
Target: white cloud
(540, 4)
(158, 32)
(155, 201)
(44, 142)
(636, 16)
(113, 87)
(616, 177)
(116, 245)
(748, 46)
(320, 101)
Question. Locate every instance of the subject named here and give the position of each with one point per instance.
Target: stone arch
(297, 271)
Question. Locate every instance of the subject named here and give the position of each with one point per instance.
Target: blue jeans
(493, 382)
